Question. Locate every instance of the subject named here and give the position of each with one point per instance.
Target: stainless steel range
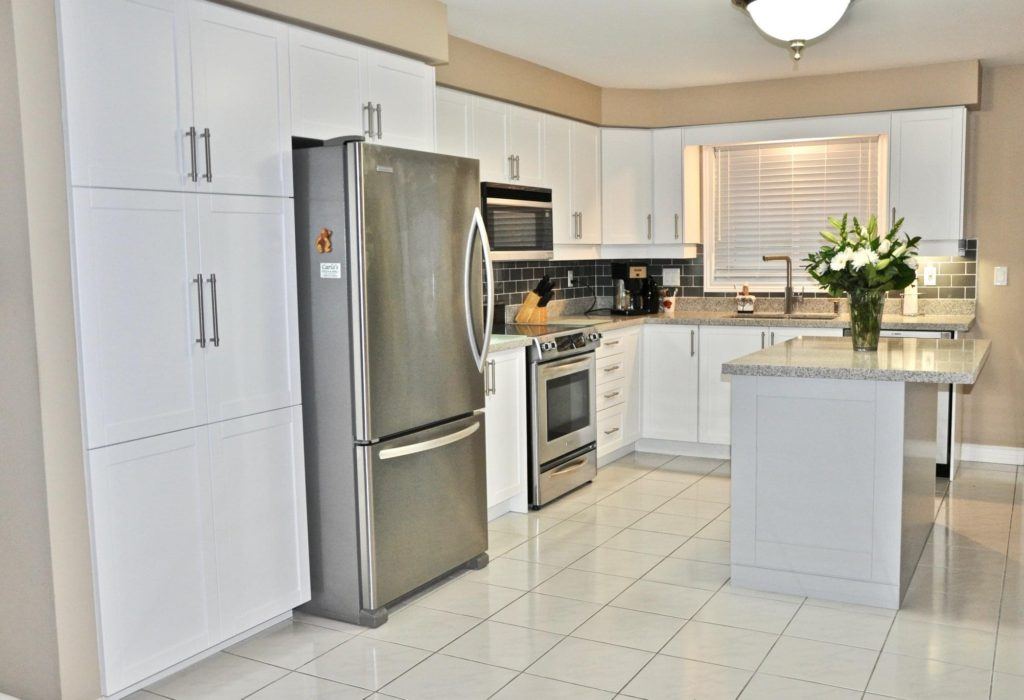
(562, 373)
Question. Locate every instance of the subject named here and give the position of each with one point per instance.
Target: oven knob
(594, 337)
(547, 345)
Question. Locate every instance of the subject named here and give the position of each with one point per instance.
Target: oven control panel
(565, 344)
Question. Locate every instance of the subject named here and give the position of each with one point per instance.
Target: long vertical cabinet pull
(194, 173)
(693, 342)
(511, 167)
(492, 378)
(209, 163)
(677, 227)
(773, 337)
(762, 340)
(649, 227)
(368, 108)
(213, 304)
(380, 122)
(517, 169)
(198, 281)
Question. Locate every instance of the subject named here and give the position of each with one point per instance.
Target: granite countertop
(924, 322)
(508, 342)
(897, 360)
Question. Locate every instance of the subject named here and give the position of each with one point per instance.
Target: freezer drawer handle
(427, 445)
(569, 468)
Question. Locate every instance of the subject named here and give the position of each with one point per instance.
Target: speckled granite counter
(927, 322)
(508, 342)
(897, 360)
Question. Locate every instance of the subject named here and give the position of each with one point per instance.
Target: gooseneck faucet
(789, 278)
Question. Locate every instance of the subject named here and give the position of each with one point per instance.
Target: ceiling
(680, 43)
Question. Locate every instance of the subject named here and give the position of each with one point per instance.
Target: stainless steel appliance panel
(565, 410)
(562, 477)
(426, 495)
(414, 220)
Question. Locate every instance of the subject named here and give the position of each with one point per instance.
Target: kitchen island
(833, 469)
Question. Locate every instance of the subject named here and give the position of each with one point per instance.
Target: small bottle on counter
(910, 300)
(745, 300)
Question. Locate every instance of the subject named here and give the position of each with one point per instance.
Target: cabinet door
(780, 335)
(325, 86)
(490, 139)
(152, 527)
(667, 145)
(718, 345)
(506, 428)
(404, 90)
(454, 123)
(670, 381)
(136, 255)
(257, 477)
(526, 137)
(626, 215)
(631, 368)
(252, 353)
(558, 176)
(128, 93)
(586, 180)
(927, 172)
(240, 82)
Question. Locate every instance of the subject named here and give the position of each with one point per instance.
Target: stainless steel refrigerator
(391, 250)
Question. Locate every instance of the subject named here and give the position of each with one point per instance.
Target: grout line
(1002, 589)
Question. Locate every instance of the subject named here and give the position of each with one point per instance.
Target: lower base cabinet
(618, 389)
(198, 535)
(505, 405)
(670, 372)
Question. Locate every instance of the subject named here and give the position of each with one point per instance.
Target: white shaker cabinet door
(586, 181)
(490, 139)
(240, 82)
(155, 576)
(248, 258)
(558, 176)
(526, 138)
(670, 381)
(626, 183)
(326, 73)
(259, 504)
(718, 345)
(506, 428)
(667, 161)
(403, 90)
(136, 259)
(454, 123)
(128, 93)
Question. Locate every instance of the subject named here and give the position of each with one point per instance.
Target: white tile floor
(621, 590)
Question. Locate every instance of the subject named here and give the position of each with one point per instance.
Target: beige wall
(994, 409)
(417, 28)
(484, 71)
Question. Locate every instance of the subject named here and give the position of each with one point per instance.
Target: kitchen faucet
(790, 297)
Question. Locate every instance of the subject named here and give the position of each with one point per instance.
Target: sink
(779, 315)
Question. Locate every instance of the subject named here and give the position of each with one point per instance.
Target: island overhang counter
(833, 463)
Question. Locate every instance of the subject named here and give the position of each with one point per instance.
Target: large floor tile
(498, 644)
(608, 515)
(1010, 652)
(665, 476)
(692, 465)
(930, 640)
(646, 542)
(629, 628)
(499, 542)
(821, 662)
(718, 644)
(759, 614)
(839, 627)
(710, 488)
(663, 599)
(584, 585)
(581, 532)
(525, 524)
(645, 460)
(470, 598)
(365, 663)
(693, 574)
(547, 613)
(527, 687)
(553, 553)
(512, 573)
(618, 562)
(648, 486)
(289, 644)
(309, 619)
(219, 677)
(684, 525)
(717, 529)
(699, 549)
(670, 678)
(423, 628)
(1007, 687)
(907, 677)
(706, 510)
(634, 500)
(299, 686)
(765, 687)
(593, 664)
(447, 678)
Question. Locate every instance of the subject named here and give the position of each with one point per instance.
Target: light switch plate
(930, 272)
(670, 276)
(1001, 276)
(569, 276)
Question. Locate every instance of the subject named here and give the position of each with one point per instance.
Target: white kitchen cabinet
(670, 382)
(154, 552)
(526, 139)
(490, 140)
(454, 122)
(558, 175)
(326, 77)
(505, 407)
(618, 389)
(586, 181)
(402, 92)
(667, 163)
(248, 259)
(257, 482)
(719, 344)
(926, 174)
(626, 186)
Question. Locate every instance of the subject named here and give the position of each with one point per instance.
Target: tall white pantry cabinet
(179, 145)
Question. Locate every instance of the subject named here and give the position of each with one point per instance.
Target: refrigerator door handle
(427, 445)
(475, 227)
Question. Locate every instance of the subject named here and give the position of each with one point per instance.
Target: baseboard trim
(678, 448)
(618, 453)
(992, 454)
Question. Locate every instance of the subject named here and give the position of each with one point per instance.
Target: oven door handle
(550, 372)
(477, 226)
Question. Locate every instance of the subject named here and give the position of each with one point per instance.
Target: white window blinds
(775, 198)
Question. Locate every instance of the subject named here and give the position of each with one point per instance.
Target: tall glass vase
(866, 318)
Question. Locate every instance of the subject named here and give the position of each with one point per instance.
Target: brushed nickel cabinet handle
(612, 395)
(611, 432)
(213, 303)
(368, 108)
(580, 215)
(612, 368)
(380, 121)
(773, 337)
(677, 227)
(762, 340)
(511, 167)
(194, 173)
(649, 227)
(693, 343)
(209, 162)
(198, 281)
(612, 343)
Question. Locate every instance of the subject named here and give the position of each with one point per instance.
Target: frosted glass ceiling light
(795, 21)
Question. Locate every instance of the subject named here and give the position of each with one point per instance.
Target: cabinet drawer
(611, 394)
(609, 429)
(610, 369)
(611, 345)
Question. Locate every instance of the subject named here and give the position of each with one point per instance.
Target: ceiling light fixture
(795, 22)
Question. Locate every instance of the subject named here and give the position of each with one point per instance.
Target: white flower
(840, 260)
(822, 269)
(884, 246)
(864, 233)
(911, 263)
(862, 257)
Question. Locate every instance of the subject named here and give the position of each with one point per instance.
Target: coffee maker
(635, 292)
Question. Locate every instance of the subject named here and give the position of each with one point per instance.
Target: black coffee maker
(635, 292)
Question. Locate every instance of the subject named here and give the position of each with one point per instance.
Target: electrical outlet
(568, 278)
(670, 276)
(930, 273)
(1001, 277)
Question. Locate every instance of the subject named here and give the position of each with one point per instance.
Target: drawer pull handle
(610, 432)
(612, 368)
(612, 395)
(612, 343)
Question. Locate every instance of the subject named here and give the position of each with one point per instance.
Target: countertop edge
(931, 322)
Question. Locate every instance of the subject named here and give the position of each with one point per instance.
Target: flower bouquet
(865, 265)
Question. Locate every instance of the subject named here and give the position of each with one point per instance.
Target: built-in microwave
(518, 220)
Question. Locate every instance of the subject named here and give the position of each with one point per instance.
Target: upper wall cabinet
(667, 166)
(344, 89)
(176, 95)
(572, 154)
(926, 175)
(454, 123)
(627, 186)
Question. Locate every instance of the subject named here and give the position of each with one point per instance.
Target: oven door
(565, 410)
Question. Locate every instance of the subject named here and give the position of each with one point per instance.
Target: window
(775, 198)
